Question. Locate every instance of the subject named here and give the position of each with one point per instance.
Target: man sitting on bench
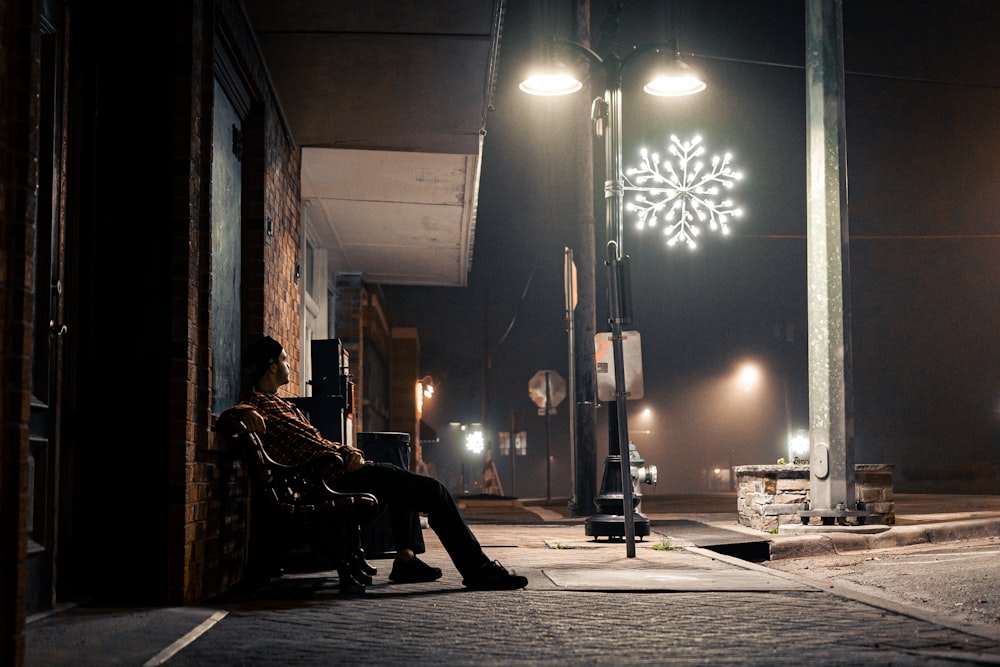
(292, 440)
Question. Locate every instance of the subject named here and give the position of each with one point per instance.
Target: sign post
(547, 389)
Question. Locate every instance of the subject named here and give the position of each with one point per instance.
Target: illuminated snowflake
(684, 197)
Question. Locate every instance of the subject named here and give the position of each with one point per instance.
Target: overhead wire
(517, 309)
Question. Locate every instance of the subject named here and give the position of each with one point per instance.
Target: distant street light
(473, 440)
(423, 390)
(798, 445)
(646, 419)
(748, 376)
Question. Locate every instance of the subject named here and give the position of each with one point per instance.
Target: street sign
(605, 358)
(569, 281)
(547, 390)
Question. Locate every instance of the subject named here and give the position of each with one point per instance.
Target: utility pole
(831, 418)
(585, 318)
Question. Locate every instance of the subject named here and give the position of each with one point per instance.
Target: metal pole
(548, 456)
(614, 194)
(569, 274)
(827, 248)
(513, 450)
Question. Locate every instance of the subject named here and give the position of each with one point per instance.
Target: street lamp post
(673, 80)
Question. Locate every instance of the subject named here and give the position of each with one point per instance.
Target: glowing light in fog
(749, 376)
(474, 440)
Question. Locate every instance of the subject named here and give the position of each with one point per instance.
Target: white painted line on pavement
(174, 648)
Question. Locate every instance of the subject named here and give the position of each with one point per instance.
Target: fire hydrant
(641, 474)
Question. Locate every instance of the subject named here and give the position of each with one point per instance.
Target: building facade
(151, 224)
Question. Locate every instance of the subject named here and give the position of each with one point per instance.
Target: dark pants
(401, 493)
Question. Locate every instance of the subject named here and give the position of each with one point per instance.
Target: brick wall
(140, 177)
(18, 141)
(217, 503)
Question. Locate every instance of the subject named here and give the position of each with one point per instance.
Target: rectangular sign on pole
(631, 353)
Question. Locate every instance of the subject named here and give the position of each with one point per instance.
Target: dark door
(49, 324)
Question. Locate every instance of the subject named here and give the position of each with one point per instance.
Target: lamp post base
(612, 526)
(610, 518)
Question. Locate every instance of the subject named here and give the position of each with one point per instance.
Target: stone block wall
(769, 496)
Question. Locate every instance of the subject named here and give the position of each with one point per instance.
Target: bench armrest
(294, 489)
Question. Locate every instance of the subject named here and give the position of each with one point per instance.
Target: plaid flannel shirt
(290, 439)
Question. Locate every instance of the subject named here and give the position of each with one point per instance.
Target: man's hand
(353, 459)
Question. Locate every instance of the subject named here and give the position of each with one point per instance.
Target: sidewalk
(680, 599)
(919, 518)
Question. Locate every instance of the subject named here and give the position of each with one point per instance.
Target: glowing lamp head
(551, 82)
(672, 86)
(673, 78)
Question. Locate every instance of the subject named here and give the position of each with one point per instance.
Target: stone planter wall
(769, 496)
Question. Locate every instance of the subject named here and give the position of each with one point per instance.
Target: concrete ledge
(828, 542)
(799, 529)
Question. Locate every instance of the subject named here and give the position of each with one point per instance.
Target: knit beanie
(260, 355)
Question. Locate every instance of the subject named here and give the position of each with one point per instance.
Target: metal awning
(427, 434)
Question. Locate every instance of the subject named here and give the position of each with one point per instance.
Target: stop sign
(556, 389)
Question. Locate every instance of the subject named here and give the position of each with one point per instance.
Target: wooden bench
(298, 498)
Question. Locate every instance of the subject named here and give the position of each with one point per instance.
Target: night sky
(923, 155)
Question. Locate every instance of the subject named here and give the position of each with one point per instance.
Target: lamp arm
(595, 58)
(570, 45)
(614, 66)
(670, 44)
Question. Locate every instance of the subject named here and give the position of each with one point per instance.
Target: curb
(830, 543)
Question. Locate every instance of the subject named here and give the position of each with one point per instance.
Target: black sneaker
(494, 577)
(413, 571)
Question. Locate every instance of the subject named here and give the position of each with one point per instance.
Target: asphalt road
(955, 583)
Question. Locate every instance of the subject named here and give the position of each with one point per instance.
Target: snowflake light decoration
(685, 197)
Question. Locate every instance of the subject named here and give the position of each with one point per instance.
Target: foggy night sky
(923, 155)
